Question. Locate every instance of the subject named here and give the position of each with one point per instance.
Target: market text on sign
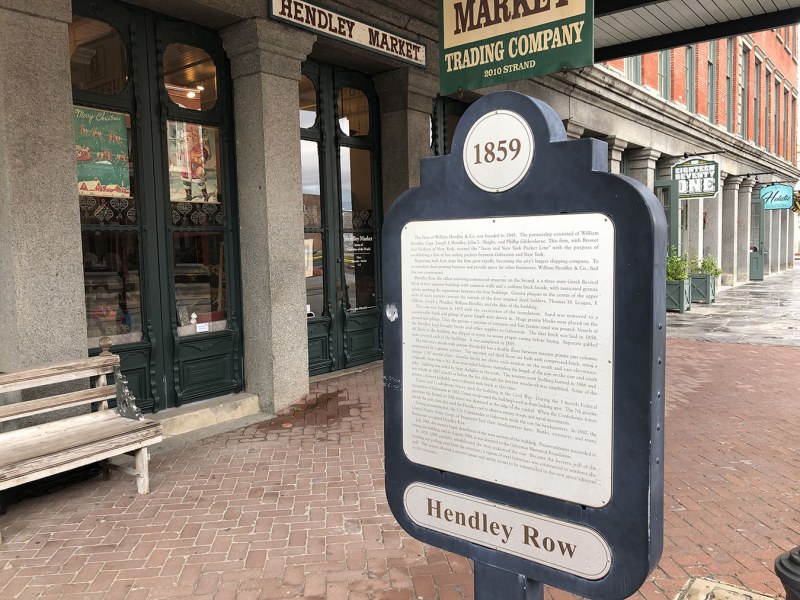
(498, 11)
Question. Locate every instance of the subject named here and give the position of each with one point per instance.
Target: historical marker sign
(485, 43)
(524, 346)
(697, 178)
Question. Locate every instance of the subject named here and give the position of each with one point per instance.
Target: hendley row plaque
(524, 347)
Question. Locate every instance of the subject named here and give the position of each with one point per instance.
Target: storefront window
(353, 112)
(200, 288)
(307, 102)
(97, 57)
(312, 218)
(190, 77)
(112, 286)
(194, 182)
(105, 166)
(358, 224)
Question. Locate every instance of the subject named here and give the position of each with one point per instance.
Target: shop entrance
(757, 251)
(156, 200)
(342, 216)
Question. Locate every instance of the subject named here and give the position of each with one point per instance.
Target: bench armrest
(126, 401)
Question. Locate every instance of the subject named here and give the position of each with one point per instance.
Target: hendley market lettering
(320, 20)
(316, 17)
(480, 521)
(492, 13)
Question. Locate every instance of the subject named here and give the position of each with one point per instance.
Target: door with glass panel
(757, 251)
(342, 217)
(153, 156)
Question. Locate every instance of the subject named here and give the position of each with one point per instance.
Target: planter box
(704, 288)
(679, 295)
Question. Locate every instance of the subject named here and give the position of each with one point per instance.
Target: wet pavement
(295, 507)
(759, 312)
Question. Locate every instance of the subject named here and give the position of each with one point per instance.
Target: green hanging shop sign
(488, 42)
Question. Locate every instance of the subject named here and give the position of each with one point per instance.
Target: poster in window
(101, 152)
(193, 162)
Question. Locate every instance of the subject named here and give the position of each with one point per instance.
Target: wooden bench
(68, 442)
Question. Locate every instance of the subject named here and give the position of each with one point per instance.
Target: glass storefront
(156, 202)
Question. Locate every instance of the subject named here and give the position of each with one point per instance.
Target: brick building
(745, 86)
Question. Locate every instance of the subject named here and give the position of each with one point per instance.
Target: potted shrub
(704, 275)
(679, 289)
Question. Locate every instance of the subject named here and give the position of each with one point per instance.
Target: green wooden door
(342, 213)
(757, 251)
(154, 148)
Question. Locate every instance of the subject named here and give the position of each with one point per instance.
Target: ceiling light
(191, 95)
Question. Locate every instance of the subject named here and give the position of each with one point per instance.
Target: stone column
(792, 238)
(664, 166)
(574, 130)
(767, 216)
(642, 165)
(616, 147)
(712, 233)
(406, 96)
(265, 63)
(729, 256)
(785, 239)
(43, 316)
(743, 231)
(775, 241)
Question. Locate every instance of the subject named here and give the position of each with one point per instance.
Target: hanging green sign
(777, 197)
(101, 152)
(697, 178)
(487, 42)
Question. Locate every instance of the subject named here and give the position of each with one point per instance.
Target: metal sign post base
(492, 583)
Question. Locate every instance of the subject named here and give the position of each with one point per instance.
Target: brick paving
(295, 507)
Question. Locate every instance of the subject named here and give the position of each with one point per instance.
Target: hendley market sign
(487, 42)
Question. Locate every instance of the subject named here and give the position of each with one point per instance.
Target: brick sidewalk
(273, 511)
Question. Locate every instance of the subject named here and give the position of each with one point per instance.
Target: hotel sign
(697, 178)
(487, 42)
(335, 25)
(776, 197)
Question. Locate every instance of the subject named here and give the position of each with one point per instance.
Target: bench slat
(58, 373)
(42, 405)
(66, 434)
(79, 457)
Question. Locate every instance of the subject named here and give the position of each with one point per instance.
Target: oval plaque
(498, 151)
(559, 544)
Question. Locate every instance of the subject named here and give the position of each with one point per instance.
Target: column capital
(643, 154)
(406, 88)
(265, 46)
(574, 130)
(731, 182)
(747, 185)
(616, 144)
(55, 10)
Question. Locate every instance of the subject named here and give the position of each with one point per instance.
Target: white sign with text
(508, 351)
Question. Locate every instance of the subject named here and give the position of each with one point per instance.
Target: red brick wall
(768, 46)
(650, 70)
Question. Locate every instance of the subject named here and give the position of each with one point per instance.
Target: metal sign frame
(566, 177)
